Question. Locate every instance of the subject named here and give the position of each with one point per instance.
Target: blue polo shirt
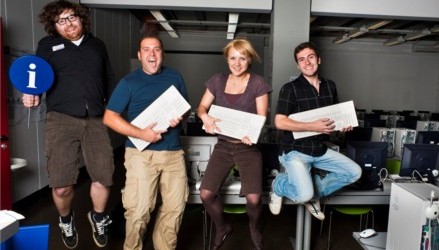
(137, 90)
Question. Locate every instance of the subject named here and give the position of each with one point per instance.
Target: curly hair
(50, 13)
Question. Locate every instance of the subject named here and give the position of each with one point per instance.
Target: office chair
(393, 166)
(349, 210)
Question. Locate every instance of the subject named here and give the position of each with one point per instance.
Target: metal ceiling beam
(219, 23)
(385, 9)
(341, 39)
(418, 34)
(251, 6)
(350, 29)
(362, 30)
(394, 41)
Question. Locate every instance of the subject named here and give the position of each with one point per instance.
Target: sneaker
(275, 203)
(69, 233)
(313, 206)
(100, 229)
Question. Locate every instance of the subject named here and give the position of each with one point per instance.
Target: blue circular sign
(31, 75)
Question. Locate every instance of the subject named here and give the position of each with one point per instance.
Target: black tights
(214, 207)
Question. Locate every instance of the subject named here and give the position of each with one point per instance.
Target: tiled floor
(277, 230)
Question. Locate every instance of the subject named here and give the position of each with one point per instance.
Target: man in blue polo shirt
(160, 167)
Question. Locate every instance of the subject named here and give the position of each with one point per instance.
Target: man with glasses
(84, 80)
(299, 156)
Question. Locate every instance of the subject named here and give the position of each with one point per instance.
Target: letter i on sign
(31, 83)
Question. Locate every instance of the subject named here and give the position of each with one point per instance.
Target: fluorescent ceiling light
(341, 39)
(233, 24)
(378, 24)
(164, 22)
(413, 36)
(358, 32)
(394, 41)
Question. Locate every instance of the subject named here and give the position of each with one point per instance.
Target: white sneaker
(313, 206)
(275, 203)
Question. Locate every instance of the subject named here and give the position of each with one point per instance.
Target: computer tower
(427, 125)
(402, 137)
(391, 120)
(385, 135)
(197, 151)
(408, 202)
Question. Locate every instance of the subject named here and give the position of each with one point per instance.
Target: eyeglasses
(63, 20)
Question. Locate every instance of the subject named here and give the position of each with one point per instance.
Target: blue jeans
(297, 183)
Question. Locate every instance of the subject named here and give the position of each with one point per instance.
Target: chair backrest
(353, 210)
(393, 166)
(234, 209)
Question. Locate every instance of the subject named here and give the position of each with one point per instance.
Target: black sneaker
(69, 234)
(100, 229)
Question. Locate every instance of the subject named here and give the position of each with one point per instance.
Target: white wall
(380, 77)
(403, 9)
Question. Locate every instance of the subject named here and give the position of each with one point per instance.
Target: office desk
(376, 242)
(303, 221)
(343, 197)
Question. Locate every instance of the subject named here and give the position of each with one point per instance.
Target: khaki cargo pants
(148, 173)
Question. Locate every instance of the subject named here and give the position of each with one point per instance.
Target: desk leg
(206, 231)
(299, 227)
(307, 231)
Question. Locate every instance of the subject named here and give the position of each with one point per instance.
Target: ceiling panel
(258, 24)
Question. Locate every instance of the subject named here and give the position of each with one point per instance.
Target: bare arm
(324, 125)
(117, 123)
(262, 105)
(208, 121)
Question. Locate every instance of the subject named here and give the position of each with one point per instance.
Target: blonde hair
(244, 47)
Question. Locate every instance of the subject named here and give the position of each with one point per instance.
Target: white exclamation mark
(32, 74)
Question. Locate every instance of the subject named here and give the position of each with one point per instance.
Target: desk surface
(342, 197)
(376, 242)
(359, 197)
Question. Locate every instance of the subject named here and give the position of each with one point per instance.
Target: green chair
(393, 166)
(352, 210)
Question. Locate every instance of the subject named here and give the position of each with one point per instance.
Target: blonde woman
(245, 91)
